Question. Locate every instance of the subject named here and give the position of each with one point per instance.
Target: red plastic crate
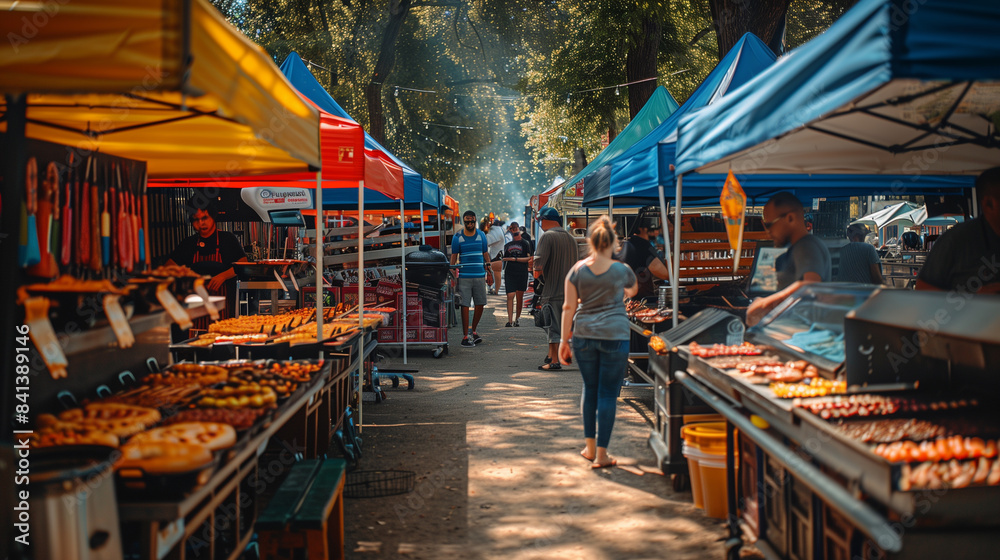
(390, 334)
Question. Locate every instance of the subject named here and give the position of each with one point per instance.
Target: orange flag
(734, 211)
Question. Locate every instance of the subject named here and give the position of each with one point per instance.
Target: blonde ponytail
(601, 234)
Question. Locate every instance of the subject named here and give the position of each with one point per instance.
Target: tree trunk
(763, 18)
(640, 64)
(398, 10)
(612, 128)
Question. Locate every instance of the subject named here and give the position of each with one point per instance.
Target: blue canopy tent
(634, 178)
(657, 109)
(883, 91)
(893, 87)
(299, 75)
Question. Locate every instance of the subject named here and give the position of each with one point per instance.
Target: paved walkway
(494, 443)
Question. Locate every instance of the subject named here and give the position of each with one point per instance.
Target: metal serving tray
(865, 473)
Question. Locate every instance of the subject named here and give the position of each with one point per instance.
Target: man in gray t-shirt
(806, 260)
(859, 261)
(555, 254)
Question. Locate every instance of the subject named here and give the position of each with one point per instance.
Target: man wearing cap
(517, 262)
(555, 255)
(859, 261)
(640, 254)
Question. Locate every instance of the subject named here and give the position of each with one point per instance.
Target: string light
(459, 128)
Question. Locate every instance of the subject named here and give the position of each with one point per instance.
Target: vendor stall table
(221, 513)
(801, 486)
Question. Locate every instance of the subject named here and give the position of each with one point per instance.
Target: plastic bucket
(707, 437)
(702, 440)
(694, 457)
(713, 486)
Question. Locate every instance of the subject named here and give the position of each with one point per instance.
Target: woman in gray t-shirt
(596, 288)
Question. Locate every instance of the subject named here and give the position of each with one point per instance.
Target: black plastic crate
(377, 484)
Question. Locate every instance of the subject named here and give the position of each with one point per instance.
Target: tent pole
(320, 223)
(611, 207)
(361, 300)
(423, 238)
(675, 280)
(402, 252)
(13, 159)
(975, 204)
(666, 231)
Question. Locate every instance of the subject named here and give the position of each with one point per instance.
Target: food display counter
(883, 446)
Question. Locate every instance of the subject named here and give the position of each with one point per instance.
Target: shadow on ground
(495, 447)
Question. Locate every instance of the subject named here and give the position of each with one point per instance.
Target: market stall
(190, 434)
(844, 398)
(416, 194)
(838, 450)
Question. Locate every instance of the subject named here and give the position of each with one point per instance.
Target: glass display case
(810, 322)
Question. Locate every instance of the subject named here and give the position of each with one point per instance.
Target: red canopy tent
(345, 159)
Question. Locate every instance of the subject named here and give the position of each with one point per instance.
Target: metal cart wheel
(439, 351)
(680, 482)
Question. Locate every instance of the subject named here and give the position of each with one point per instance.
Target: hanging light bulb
(616, 91)
(567, 98)
(397, 92)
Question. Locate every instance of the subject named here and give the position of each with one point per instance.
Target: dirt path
(494, 443)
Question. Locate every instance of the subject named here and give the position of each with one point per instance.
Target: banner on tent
(734, 209)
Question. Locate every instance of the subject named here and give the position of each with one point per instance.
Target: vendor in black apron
(639, 253)
(210, 252)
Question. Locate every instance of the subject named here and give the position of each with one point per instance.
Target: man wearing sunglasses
(470, 246)
(806, 260)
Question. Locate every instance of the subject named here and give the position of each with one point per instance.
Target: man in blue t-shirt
(470, 246)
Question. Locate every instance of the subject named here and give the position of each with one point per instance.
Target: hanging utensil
(83, 241)
(46, 267)
(96, 225)
(106, 256)
(134, 215)
(66, 242)
(123, 233)
(144, 228)
(30, 255)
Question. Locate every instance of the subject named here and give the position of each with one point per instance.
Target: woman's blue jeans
(602, 364)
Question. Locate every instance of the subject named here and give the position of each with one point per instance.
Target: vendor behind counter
(210, 252)
(641, 255)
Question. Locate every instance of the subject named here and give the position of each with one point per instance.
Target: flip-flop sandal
(605, 465)
(584, 455)
(551, 366)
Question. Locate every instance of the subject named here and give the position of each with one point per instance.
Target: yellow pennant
(734, 211)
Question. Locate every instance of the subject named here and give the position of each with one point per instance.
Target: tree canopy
(489, 98)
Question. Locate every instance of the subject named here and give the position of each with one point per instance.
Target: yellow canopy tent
(169, 82)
